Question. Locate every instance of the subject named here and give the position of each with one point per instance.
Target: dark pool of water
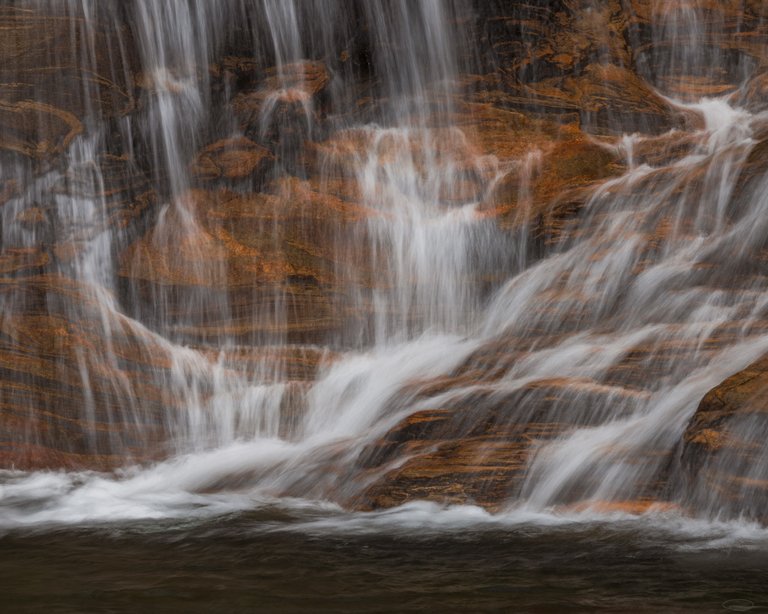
(244, 563)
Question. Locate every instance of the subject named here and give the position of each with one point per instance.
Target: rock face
(231, 260)
(53, 416)
(478, 445)
(39, 52)
(723, 453)
(231, 159)
(573, 59)
(252, 229)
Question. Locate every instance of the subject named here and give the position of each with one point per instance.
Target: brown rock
(723, 456)
(22, 261)
(123, 195)
(50, 416)
(478, 449)
(754, 96)
(36, 129)
(31, 217)
(728, 37)
(230, 159)
(282, 109)
(9, 190)
(43, 93)
(569, 60)
(335, 161)
(552, 187)
(249, 250)
(310, 77)
(739, 394)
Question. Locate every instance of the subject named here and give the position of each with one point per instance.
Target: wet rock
(221, 250)
(23, 261)
(754, 96)
(86, 387)
(723, 458)
(9, 189)
(477, 449)
(694, 51)
(231, 159)
(450, 153)
(552, 185)
(120, 195)
(278, 264)
(59, 381)
(36, 129)
(571, 60)
(44, 97)
(282, 112)
(31, 217)
(663, 150)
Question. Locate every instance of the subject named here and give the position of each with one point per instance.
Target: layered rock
(48, 89)
(269, 244)
(214, 263)
(75, 394)
(723, 453)
(231, 160)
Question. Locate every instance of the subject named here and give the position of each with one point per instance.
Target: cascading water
(261, 314)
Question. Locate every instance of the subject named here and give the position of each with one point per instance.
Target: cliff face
(262, 238)
(723, 450)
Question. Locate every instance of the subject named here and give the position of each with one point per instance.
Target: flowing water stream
(659, 263)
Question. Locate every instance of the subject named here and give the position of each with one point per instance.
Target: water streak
(655, 272)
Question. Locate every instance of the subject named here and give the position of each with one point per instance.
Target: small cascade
(310, 250)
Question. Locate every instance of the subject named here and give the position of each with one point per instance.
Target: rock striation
(256, 234)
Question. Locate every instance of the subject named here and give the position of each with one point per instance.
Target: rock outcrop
(47, 87)
(723, 454)
(267, 242)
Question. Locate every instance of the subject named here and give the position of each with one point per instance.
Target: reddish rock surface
(723, 453)
(231, 248)
(276, 214)
(233, 159)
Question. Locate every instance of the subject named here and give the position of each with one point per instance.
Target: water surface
(310, 558)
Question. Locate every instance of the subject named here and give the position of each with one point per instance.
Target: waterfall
(245, 242)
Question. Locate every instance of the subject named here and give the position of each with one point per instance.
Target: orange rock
(43, 355)
(22, 260)
(553, 186)
(722, 455)
(307, 76)
(36, 129)
(237, 158)
(755, 95)
(291, 244)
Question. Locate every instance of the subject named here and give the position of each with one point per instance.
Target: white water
(167, 492)
(610, 287)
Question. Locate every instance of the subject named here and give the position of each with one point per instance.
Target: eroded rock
(723, 457)
(231, 159)
(44, 96)
(242, 252)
